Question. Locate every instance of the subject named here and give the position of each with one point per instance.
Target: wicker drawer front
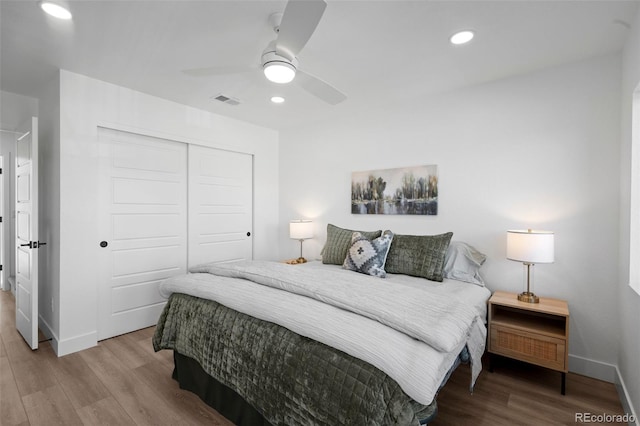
(530, 347)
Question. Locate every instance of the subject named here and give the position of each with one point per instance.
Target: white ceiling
(377, 52)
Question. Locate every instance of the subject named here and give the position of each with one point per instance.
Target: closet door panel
(220, 205)
(139, 226)
(143, 227)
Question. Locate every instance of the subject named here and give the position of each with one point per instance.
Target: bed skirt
(190, 376)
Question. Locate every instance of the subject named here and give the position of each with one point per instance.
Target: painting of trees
(409, 190)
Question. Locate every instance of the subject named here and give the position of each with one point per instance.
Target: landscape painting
(407, 190)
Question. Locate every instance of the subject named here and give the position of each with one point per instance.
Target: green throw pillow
(338, 243)
(418, 255)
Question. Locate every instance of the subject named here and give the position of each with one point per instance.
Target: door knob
(103, 244)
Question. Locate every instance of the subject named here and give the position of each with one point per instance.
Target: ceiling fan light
(55, 10)
(279, 72)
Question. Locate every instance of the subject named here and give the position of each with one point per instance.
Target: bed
(272, 343)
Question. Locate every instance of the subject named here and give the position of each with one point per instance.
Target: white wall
(7, 256)
(85, 104)
(534, 151)
(629, 300)
(49, 209)
(14, 111)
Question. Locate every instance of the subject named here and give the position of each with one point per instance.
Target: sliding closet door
(220, 205)
(143, 227)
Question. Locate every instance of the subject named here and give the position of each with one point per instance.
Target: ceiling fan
(294, 28)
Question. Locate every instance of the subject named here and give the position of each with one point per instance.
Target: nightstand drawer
(530, 347)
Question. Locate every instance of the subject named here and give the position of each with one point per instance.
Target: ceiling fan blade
(209, 71)
(319, 88)
(299, 21)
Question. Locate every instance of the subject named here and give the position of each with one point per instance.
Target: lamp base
(528, 297)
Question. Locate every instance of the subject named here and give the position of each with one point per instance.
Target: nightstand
(537, 333)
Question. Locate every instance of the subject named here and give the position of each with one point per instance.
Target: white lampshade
(300, 229)
(530, 246)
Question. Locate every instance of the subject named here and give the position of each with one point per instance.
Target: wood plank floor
(123, 382)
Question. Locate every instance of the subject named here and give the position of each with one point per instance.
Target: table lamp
(530, 247)
(301, 230)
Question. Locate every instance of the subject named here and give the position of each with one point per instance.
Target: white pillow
(462, 262)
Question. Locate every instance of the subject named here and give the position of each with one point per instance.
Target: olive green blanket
(290, 379)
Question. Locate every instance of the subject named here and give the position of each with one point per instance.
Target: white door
(143, 227)
(220, 205)
(27, 233)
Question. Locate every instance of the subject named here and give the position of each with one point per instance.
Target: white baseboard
(608, 373)
(12, 284)
(74, 344)
(591, 368)
(46, 329)
(67, 346)
(627, 406)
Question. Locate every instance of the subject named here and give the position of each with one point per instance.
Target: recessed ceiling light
(277, 99)
(55, 10)
(461, 37)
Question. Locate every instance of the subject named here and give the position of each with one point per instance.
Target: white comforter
(410, 328)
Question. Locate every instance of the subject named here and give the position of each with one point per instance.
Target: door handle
(33, 244)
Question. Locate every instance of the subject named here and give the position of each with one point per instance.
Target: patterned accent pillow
(418, 255)
(338, 243)
(368, 256)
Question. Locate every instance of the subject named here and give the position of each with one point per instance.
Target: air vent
(226, 99)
